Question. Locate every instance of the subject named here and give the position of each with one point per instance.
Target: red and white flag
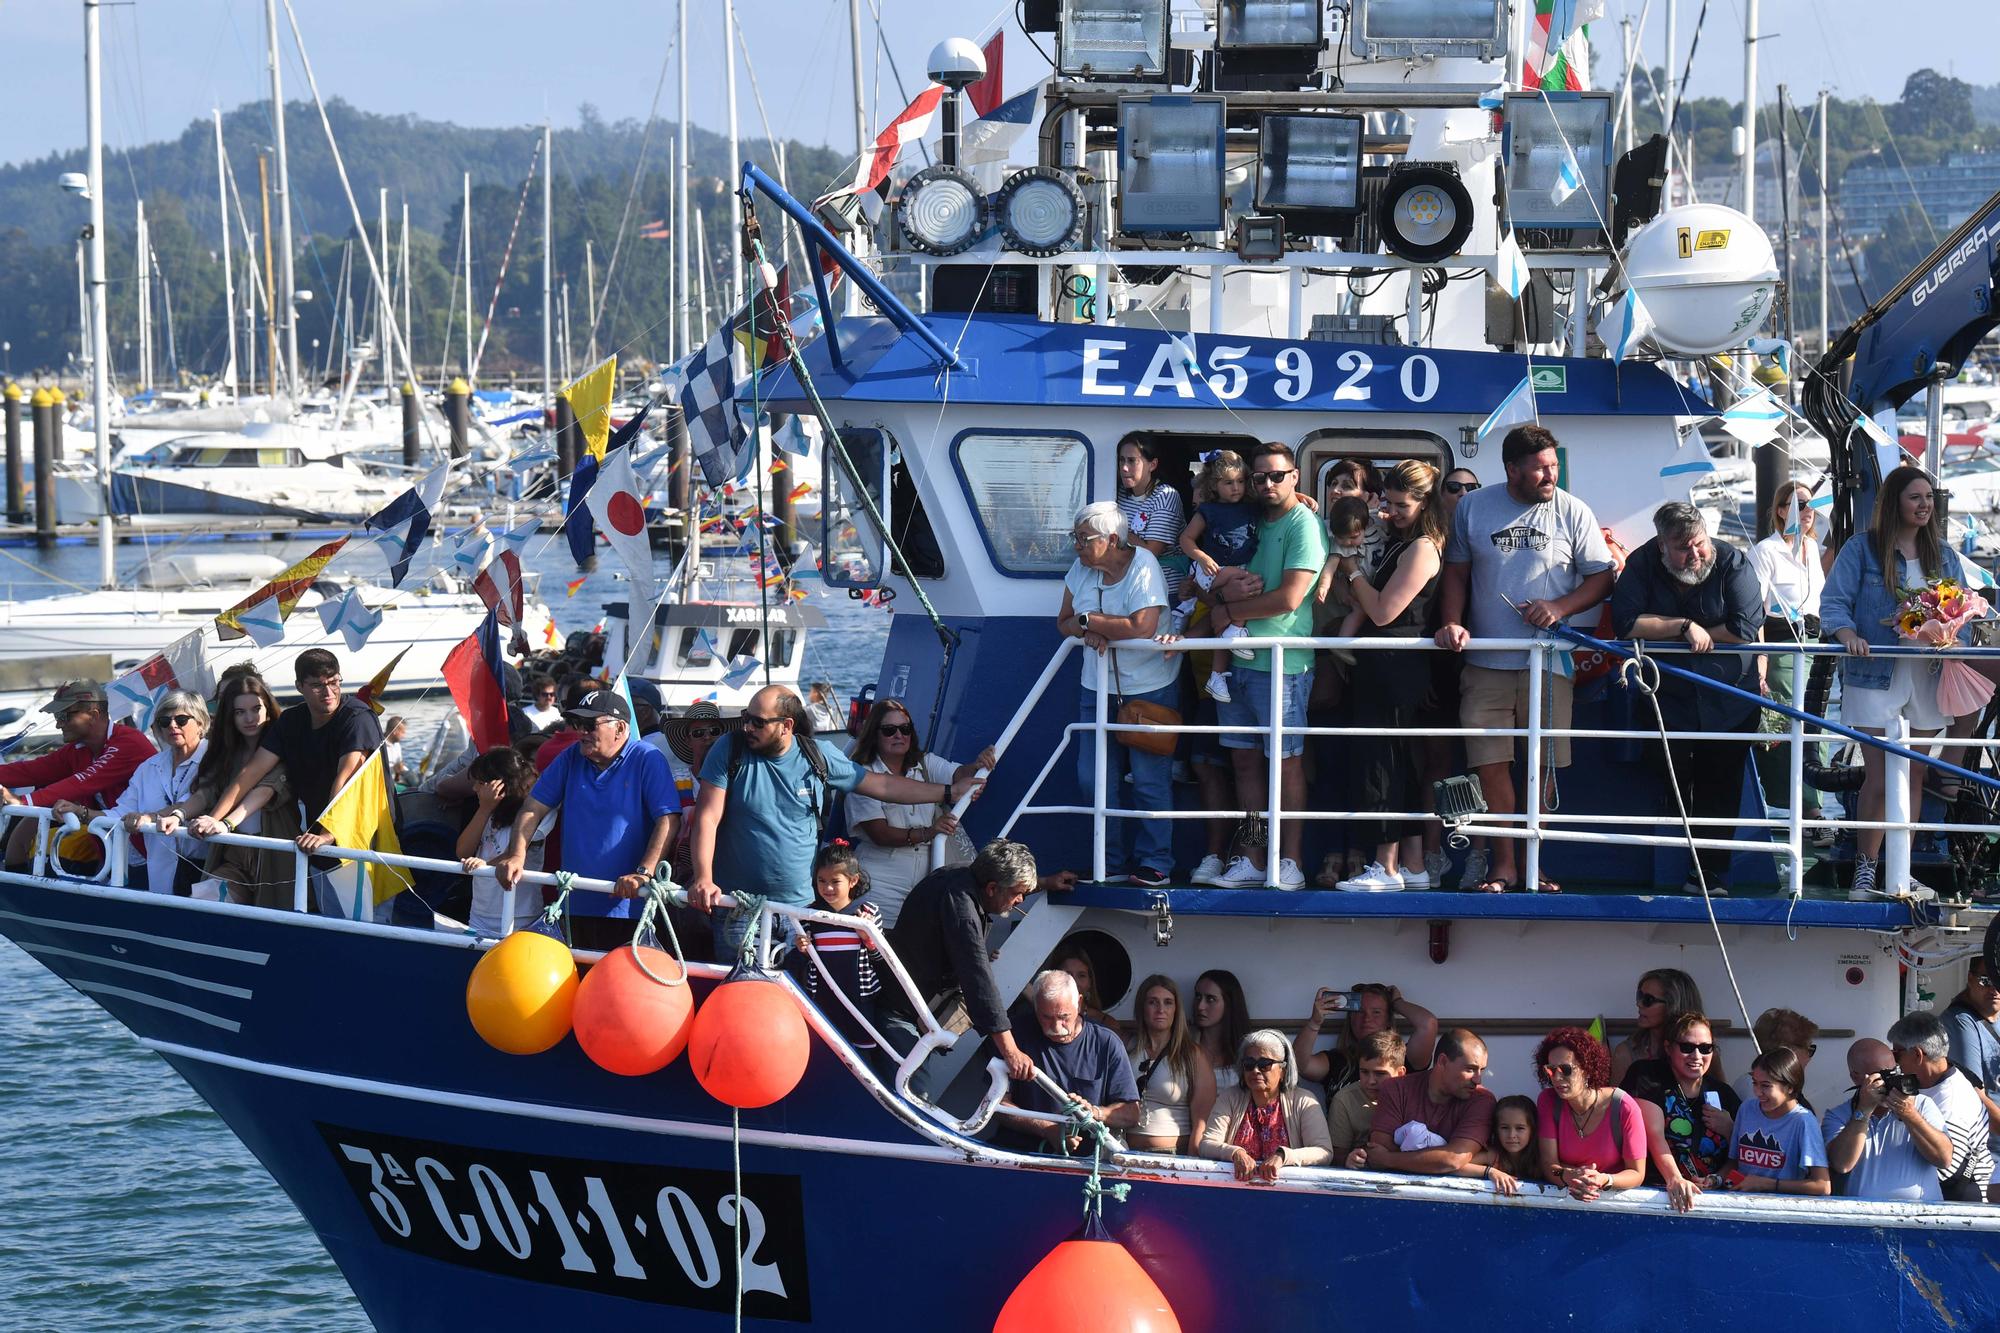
(907, 128)
(620, 510)
(986, 94)
(499, 585)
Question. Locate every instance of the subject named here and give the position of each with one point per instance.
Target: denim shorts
(1250, 706)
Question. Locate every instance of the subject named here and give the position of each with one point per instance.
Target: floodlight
(1545, 133)
(1260, 239)
(942, 210)
(1040, 212)
(1406, 29)
(1309, 170)
(1267, 43)
(1116, 41)
(1424, 213)
(1170, 163)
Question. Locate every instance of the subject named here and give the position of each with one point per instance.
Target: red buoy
(629, 1022)
(1090, 1284)
(748, 1044)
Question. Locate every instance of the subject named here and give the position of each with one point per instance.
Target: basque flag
(472, 671)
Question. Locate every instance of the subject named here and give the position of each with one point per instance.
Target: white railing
(1533, 825)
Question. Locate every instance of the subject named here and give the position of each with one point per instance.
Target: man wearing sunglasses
(92, 766)
(1291, 551)
(764, 800)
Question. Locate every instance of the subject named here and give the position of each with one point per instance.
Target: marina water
(127, 1202)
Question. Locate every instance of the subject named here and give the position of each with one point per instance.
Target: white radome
(1706, 274)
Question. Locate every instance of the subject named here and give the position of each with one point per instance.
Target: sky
(511, 62)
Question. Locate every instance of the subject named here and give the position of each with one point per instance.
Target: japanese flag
(620, 510)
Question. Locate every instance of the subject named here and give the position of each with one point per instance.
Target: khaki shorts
(1497, 699)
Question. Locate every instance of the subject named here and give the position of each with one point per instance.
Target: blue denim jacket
(1857, 599)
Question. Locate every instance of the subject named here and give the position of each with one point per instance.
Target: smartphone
(1340, 1001)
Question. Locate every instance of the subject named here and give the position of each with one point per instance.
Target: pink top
(1617, 1142)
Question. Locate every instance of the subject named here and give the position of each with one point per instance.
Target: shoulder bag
(1140, 713)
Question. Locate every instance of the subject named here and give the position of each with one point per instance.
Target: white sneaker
(1373, 880)
(1240, 875)
(1289, 874)
(1240, 654)
(1417, 879)
(1218, 687)
(1208, 872)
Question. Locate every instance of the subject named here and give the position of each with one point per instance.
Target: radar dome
(1706, 274)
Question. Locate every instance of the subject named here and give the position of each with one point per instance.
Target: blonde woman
(1176, 1082)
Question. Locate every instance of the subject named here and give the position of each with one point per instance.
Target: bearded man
(1681, 588)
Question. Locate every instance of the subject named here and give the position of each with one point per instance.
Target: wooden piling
(16, 502)
(458, 412)
(43, 409)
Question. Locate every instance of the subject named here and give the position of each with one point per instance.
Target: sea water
(124, 1201)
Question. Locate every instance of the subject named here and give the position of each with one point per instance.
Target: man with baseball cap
(91, 767)
(620, 814)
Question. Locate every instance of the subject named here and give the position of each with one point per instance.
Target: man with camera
(1922, 1049)
(1888, 1140)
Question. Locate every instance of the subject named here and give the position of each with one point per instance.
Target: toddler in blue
(1218, 542)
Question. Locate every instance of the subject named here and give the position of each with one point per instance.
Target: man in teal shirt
(1291, 550)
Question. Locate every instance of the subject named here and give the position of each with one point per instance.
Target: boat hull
(456, 1186)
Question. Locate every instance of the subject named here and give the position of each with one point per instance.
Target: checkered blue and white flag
(716, 434)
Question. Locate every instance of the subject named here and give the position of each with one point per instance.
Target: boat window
(1322, 450)
(1025, 488)
(280, 458)
(784, 643)
(697, 649)
(854, 552)
(742, 643)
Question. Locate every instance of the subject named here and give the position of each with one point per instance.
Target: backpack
(817, 786)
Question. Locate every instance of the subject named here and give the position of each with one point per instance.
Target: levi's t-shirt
(1782, 1149)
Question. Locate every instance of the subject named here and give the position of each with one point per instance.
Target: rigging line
(1903, 166)
(771, 140)
(632, 194)
(882, 46)
(1687, 72)
(500, 279)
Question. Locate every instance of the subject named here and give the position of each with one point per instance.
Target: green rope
(556, 915)
(1094, 1187)
(753, 903)
(657, 900)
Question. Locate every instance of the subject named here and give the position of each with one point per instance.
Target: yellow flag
(285, 589)
(590, 399)
(359, 815)
(1597, 1029)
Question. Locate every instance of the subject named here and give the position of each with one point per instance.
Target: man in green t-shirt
(1291, 549)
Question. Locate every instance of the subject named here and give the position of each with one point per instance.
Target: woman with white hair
(1115, 592)
(160, 784)
(1267, 1122)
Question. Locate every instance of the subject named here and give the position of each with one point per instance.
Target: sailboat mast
(735, 163)
(283, 299)
(409, 329)
(590, 298)
(681, 191)
(384, 297)
(228, 266)
(1825, 247)
(860, 84)
(1750, 109)
(144, 249)
(548, 271)
(100, 341)
(465, 234)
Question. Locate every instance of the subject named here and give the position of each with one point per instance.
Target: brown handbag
(1143, 713)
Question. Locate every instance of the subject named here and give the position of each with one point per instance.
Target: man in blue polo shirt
(620, 813)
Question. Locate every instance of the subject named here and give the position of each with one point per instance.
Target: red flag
(910, 125)
(986, 94)
(502, 593)
(472, 671)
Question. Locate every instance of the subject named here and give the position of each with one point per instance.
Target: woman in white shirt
(163, 783)
(1791, 569)
(893, 842)
(502, 779)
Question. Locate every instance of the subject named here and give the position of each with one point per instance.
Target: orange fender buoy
(521, 995)
(626, 1021)
(749, 1043)
(1090, 1284)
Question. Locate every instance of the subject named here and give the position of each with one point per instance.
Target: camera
(1893, 1080)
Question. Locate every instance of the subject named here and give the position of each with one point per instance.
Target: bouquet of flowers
(1932, 617)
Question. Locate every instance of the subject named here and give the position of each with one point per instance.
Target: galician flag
(1512, 265)
(1569, 177)
(1516, 409)
(1624, 326)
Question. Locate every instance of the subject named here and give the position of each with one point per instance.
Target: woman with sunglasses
(158, 785)
(1690, 1111)
(1663, 992)
(1266, 1123)
(893, 842)
(245, 706)
(1592, 1135)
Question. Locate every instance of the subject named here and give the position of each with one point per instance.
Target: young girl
(502, 779)
(1152, 507)
(1778, 1145)
(1218, 542)
(1513, 1157)
(849, 959)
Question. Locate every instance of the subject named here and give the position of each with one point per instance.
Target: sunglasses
(1696, 1047)
(897, 729)
(1461, 487)
(754, 723)
(1647, 999)
(1560, 1071)
(1259, 1065)
(177, 720)
(704, 733)
(1272, 478)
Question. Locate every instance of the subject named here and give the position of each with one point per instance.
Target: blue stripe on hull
(286, 1027)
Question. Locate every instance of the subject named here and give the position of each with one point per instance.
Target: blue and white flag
(992, 137)
(1756, 419)
(1624, 326)
(1569, 177)
(1690, 456)
(1512, 265)
(739, 671)
(350, 617)
(263, 622)
(1516, 409)
(406, 520)
(716, 435)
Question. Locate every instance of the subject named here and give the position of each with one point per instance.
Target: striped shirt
(851, 965)
(1965, 1126)
(1157, 516)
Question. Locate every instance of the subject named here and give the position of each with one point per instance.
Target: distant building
(1869, 196)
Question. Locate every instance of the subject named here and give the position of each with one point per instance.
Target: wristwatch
(1083, 622)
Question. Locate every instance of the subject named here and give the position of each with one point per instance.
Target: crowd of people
(1411, 552)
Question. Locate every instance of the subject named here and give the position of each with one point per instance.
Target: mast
(1750, 109)
(590, 298)
(735, 163)
(548, 271)
(681, 190)
(228, 268)
(1626, 129)
(385, 297)
(143, 249)
(1786, 311)
(1673, 6)
(283, 299)
(100, 339)
(860, 85)
(701, 269)
(1824, 245)
(250, 311)
(409, 329)
(465, 234)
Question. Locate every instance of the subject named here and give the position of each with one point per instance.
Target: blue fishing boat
(1349, 239)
